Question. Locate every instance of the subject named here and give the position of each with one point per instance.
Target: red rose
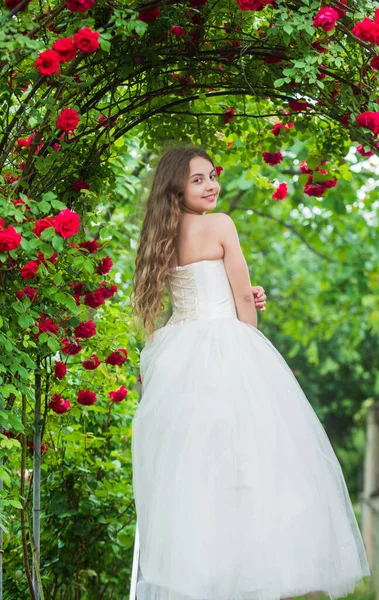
(228, 115)
(314, 190)
(326, 18)
(361, 151)
(2, 223)
(43, 224)
(317, 45)
(218, 171)
(370, 120)
(197, 3)
(58, 405)
(79, 5)
(11, 4)
(104, 266)
(86, 398)
(374, 63)
(92, 363)
(229, 51)
(10, 239)
(68, 119)
(9, 433)
(341, 11)
(86, 329)
(280, 192)
(52, 258)
(279, 126)
(253, 4)
(91, 246)
(148, 16)
(22, 143)
(45, 325)
(107, 121)
(78, 288)
(29, 270)
(304, 167)
(29, 292)
(70, 348)
(108, 290)
(87, 40)
(67, 223)
(272, 60)
(94, 299)
(272, 158)
(47, 62)
(177, 30)
(329, 183)
(298, 105)
(9, 178)
(79, 184)
(60, 369)
(119, 394)
(43, 448)
(118, 357)
(65, 49)
(367, 31)
(18, 201)
(25, 143)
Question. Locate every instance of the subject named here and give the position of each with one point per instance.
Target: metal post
(37, 481)
(134, 577)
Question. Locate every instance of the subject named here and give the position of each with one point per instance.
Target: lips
(210, 197)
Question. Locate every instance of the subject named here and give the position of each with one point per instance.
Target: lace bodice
(200, 290)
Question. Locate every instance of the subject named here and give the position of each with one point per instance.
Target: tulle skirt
(238, 491)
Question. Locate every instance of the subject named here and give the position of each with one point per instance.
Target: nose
(211, 185)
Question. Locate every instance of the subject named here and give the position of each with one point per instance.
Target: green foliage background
(316, 257)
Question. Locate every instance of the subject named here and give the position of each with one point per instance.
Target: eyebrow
(201, 174)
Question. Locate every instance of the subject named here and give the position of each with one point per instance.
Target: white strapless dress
(239, 494)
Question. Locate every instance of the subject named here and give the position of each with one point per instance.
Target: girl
(239, 494)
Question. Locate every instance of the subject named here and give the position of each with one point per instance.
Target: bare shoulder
(217, 220)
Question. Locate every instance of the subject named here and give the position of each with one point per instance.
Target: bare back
(197, 240)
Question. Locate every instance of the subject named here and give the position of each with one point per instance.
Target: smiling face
(202, 188)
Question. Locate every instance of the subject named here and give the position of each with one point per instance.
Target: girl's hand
(259, 297)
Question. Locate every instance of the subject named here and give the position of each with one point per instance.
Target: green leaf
(47, 250)
(49, 197)
(279, 82)
(288, 28)
(25, 320)
(44, 206)
(26, 245)
(105, 45)
(140, 27)
(57, 243)
(47, 233)
(312, 162)
(78, 261)
(5, 477)
(88, 266)
(53, 343)
(15, 503)
(58, 204)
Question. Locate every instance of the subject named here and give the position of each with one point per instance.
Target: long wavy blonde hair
(159, 229)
